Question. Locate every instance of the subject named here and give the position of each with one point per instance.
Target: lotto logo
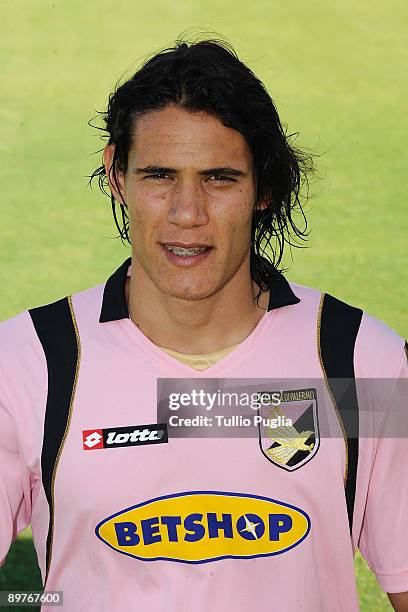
(117, 437)
(92, 438)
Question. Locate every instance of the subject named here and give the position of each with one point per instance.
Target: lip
(189, 261)
(186, 246)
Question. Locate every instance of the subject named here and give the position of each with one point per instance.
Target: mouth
(186, 255)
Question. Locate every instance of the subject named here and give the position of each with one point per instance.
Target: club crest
(289, 430)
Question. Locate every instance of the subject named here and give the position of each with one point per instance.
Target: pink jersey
(127, 516)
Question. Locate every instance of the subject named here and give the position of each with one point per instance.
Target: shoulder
(23, 370)
(378, 349)
(16, 334)
(20, 343)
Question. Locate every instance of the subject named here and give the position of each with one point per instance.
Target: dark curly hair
(208, 76)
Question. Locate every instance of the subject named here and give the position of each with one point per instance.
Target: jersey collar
(114, 305)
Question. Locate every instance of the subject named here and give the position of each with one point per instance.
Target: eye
(158, 176)
(220, 178)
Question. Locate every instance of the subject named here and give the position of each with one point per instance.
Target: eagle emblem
(294, 443)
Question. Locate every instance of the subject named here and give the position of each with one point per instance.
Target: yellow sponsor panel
(200, 526)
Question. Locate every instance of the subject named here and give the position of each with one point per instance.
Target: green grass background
(336, 72)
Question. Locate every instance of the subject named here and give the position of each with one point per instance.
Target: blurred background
(337, 73)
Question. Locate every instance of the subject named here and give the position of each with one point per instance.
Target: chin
(189, 291)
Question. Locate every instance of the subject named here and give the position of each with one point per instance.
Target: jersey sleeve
(384, 535)
(15, 482)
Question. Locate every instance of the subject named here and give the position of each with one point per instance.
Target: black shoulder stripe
(56, 330)
(339, 325)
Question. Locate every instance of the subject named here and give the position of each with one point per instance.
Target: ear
(262, 204)
(117, 186)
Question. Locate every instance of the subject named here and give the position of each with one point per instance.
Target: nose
(188, 204)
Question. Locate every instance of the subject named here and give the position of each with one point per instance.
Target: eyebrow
(209, 172)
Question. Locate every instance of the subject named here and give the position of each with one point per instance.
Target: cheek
(237, 212)
(145, 211)
(235, 231)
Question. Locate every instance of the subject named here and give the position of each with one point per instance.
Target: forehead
(177, 135)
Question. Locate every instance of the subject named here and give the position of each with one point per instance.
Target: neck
(195, 326)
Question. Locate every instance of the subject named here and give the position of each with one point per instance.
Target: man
(127, 515)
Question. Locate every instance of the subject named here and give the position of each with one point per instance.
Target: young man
(127, 516)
